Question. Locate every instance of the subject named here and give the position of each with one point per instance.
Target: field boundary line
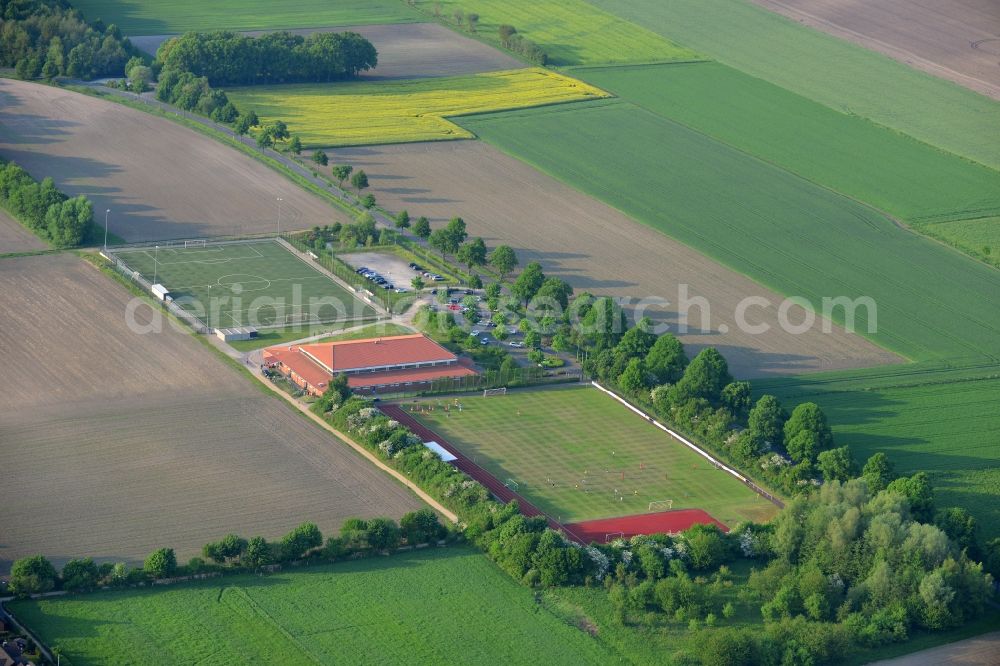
(380, 311)
(694, 447)
(437, 506)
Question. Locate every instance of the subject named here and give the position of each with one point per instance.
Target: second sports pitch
(246, 284)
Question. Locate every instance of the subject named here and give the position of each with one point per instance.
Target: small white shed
(160, 291)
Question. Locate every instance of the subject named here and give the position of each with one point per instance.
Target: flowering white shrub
(601, 561)
(748, 545)
(776, 460)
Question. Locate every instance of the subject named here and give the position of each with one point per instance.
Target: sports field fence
(386, 298)
(191, 320)
(488, 380)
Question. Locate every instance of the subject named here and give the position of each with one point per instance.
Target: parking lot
(392, 268)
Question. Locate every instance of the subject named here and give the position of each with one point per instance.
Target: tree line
(824, 569)
(233, 554)
(849, 566)
(228, 58)
(508, 35)
(52, 215)
(48, 38)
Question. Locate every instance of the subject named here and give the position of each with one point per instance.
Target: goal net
(613, 536)
(661, 505)
(194, 243)
(494, 391)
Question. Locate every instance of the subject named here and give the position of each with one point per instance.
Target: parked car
(386, 285)
(362, 270)
(476, 332)
(513, 330)
(401, 290)
(434, 292)
(469, 292)
(516, 344)
(437, 278)
(484, 341)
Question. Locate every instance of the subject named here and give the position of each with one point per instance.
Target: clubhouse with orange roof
(399, 362)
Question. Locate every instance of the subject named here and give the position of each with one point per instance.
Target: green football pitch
(577, 454)
(258, 284)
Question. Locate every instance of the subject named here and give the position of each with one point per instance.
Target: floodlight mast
(106, 213)
(279, 216)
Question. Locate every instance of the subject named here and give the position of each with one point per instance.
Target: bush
(421, 527)
(44, 209)
(300, 541)
(30, 575)
(161, 563)
(383, 533)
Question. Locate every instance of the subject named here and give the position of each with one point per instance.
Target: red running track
(643, 523)
(583, 532)
(499, 490)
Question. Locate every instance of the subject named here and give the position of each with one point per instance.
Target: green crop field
(932, 417)
(570, 450)
(428, 607)
(893, 172)
(155, 17)
(978, 237)
(571, 32)
(784, 232)
(351, 114)
(259, 284)
(831, 71)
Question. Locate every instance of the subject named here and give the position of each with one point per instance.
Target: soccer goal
(495, 391)
(661, 505)
(512, 484)
(613, 536)
(194, 243)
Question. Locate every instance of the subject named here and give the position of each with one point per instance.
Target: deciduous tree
(161, 563)
(359, 180)
(422, 227)
(30, 575)
(503, 259)
(528, 282)
(666, 359)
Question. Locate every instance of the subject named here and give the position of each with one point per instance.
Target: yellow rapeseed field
(360, 113)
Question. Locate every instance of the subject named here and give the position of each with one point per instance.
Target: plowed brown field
(597, 248)
(114, 443)
(15, 238)
(161, 180)
(958, 40)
